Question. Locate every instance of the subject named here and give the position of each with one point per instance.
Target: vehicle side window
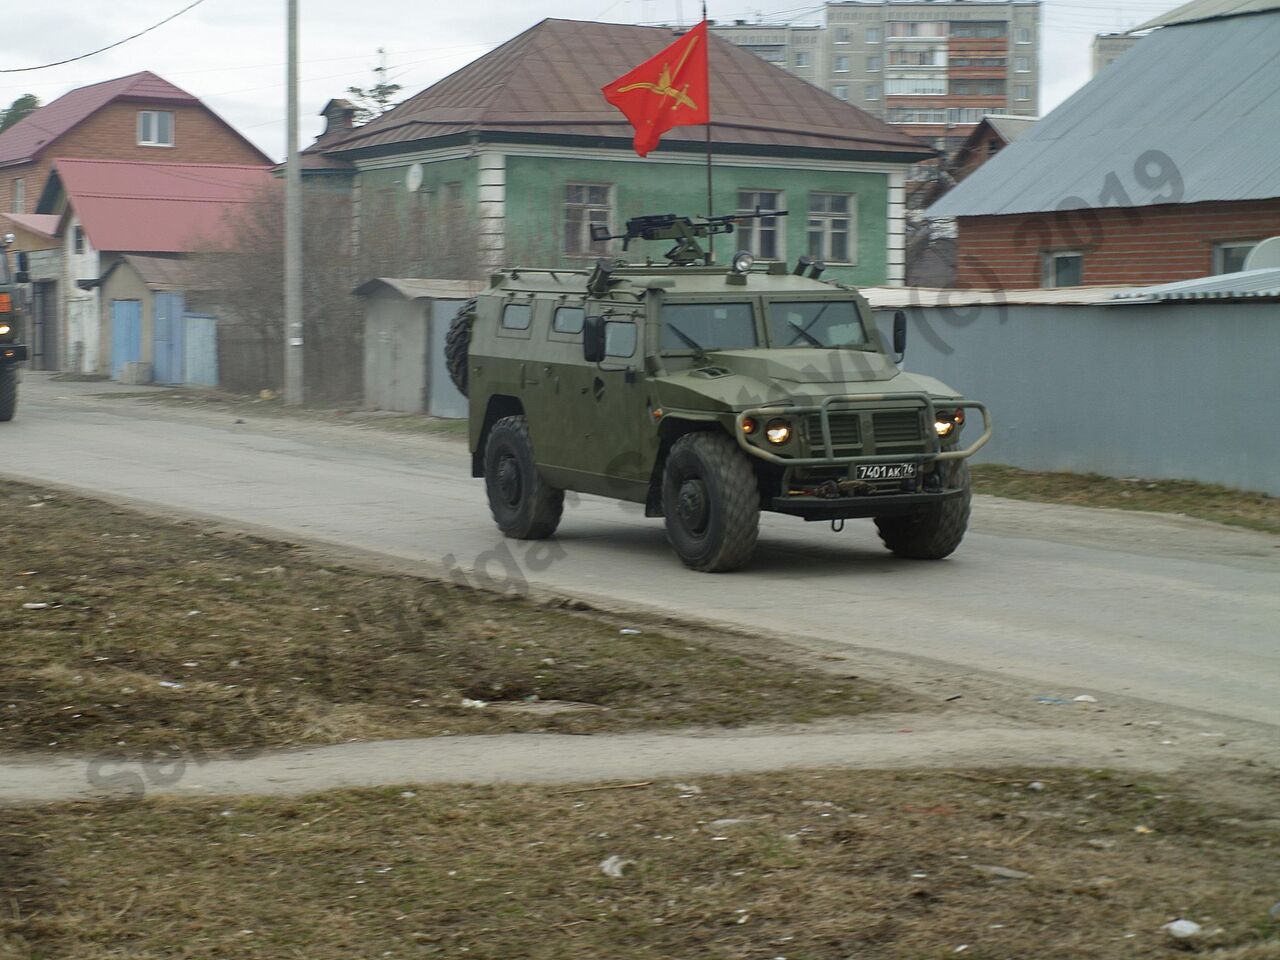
(516, 316)
(619, 338)
(568, 320)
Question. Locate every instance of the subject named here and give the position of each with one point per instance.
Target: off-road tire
(523, 505)
(711, 503)
(8, 392)
(934, 531)
(457, 343)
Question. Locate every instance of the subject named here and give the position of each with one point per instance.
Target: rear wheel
(934, 531)
(522, 504)
(457, 343)
(711, 503)
(8, 391)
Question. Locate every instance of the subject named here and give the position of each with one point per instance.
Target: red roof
(29, 137)
(547, 81)
(44, 224)
(159, 207)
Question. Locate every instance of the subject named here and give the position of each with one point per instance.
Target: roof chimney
(339, 114)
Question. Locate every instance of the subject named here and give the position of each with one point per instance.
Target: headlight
(4, 329)
(948, 422)
(778, 432)
(742, 261)
(750, 426)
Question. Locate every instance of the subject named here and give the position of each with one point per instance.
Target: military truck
(708, 394)
(12, 352)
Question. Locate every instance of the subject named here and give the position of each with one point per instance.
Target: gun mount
(685, 231)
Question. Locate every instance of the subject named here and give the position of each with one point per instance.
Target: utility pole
(293, 378)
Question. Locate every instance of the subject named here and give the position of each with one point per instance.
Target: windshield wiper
(691, 343)
(805, 333)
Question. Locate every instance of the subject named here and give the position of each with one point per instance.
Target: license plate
(887, 471)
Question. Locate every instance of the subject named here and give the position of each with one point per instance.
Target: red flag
(669, 90)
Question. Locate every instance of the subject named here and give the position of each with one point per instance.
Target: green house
(512, 159)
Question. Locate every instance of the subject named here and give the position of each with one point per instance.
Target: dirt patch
(127, 632)
(818, 866)
(1204, 501)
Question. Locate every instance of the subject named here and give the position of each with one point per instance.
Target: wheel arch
(498, 406)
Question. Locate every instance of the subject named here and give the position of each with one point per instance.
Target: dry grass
(824, 866)
(1257, 511)
(268, 647)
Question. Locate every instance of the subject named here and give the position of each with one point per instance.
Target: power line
(110, 46)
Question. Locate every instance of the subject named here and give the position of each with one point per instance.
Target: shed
(406, 321)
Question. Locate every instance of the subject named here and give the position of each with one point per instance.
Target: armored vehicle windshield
(816, 323)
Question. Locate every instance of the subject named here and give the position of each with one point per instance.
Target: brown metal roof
(547, 80)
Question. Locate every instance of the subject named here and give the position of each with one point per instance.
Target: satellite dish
(1266, 255)
(413, 179)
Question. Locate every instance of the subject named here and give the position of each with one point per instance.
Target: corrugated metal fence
(1163, 391)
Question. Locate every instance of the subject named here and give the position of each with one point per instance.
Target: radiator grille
(846, 433)
(897, 428)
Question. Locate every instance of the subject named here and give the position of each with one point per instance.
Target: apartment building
(933, 68)
(1109, 47)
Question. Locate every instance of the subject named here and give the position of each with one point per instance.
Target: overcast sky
(231, 53)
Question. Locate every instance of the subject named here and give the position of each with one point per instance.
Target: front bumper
(852, 508)
(858, 403)
(12, 353)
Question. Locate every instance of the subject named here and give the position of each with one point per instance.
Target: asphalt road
(1059, 599)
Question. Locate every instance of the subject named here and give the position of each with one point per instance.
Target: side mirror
(593, 339)
(899, 333)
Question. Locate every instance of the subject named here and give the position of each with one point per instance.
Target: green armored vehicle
(11, 351)
(707, 394)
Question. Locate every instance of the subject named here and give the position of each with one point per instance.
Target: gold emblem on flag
(663, 87)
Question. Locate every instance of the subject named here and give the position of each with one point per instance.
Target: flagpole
(711, 240)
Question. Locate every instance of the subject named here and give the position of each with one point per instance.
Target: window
(873, 64)
(907, 115)
(1022, 64)
(919, 58)
(1022, 92)
(77, 240)
(841, 35)
(707, 326)
(1063, 269)
(831, 234)
(620, 338)
(1230, 257)
(515, 316)
(842, 65)
(155, 128)
(568, 320)
(585, 205)
(1024, 35)
(916, 86)
(841, 90)
(19, 195)
(802, 59)
(871, 92)
(903, 29)
(978, 30)
(761, 236)
(873, 34)
(817, 323)
(961, 87)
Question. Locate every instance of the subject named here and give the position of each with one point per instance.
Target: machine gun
(685, 231)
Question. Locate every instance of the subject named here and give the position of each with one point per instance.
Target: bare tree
(375, 100)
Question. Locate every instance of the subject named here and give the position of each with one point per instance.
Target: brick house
(140, 117)
(1161, 168)
(512, 158)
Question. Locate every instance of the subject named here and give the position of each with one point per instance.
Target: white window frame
(19, 195)
(1049, 268)
(1021, 64)
(753, 230)
(840, 35)
(590, 210)
(873, 91)
(841, 64)
(1022, 92)
(840, 91)
(78, 240)
(148, 128)
(1023, 32)
(878, 34)
(874, 64)
(826, 220)
(1220, 249)
(802, 58)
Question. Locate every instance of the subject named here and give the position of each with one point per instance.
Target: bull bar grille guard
(860, 402)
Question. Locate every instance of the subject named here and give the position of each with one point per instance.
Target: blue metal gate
(170, 350)
(126, 334)
(202, 350)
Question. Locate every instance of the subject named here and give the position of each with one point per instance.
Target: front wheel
(934, 531)
(8, 391)
(523, 505)
(711, 503)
